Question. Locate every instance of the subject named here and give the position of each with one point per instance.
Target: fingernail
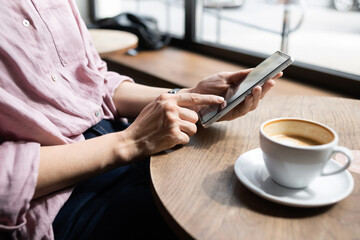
(220, 99)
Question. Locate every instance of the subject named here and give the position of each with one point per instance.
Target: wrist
(174, 90)
(125, 148)
(185, 90)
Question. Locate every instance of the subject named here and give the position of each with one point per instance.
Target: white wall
(104, 8)
(83, 6)
(107, 8)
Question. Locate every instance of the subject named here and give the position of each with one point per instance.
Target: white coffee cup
(296, 150)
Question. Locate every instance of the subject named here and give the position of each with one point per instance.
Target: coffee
(294, 132)
(295, 140)
(296, 150)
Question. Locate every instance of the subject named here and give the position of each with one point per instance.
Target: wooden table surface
(108, 41)
(199, 195)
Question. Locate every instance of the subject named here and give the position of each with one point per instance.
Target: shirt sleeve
(111, 79)
(19, 162)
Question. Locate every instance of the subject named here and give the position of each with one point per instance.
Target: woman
(55, 93)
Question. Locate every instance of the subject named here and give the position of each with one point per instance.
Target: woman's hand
(218, 83)
(164, 123)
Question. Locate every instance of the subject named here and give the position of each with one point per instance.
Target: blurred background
(322, 35)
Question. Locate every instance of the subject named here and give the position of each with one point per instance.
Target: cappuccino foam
(295, 140)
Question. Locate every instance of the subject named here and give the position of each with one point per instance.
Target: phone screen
(264, 71)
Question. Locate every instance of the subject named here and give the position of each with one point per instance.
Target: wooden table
(112, 41)
(200, 196)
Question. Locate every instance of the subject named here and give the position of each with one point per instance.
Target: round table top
(199, 195)
(108, 41)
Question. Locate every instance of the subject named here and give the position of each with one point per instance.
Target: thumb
(238, 76)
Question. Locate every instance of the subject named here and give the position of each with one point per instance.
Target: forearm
(162, 124)
(131, 98)
(65, 165)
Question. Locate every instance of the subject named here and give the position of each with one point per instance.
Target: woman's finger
(187, 127)
(238, 76)
(188, 115)
(247, 105)
(243, 108)
(266, 87)
(191, 99)
(256, 93)
(280, 74)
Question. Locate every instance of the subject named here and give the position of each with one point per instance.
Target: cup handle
(349, 158)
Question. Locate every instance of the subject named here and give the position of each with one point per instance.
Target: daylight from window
(168, 13)
(318, 33)
(323, 33)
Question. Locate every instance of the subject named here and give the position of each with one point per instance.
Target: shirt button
(26, 23)
(97, 113)
(54, 78)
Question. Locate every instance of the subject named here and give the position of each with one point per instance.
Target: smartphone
(267, 69)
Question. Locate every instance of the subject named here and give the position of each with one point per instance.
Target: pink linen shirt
(53, 87)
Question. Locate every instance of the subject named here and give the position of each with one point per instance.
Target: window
(169, 13)
(322, 35)
(318, 34)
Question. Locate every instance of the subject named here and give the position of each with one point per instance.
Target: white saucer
(251, 171)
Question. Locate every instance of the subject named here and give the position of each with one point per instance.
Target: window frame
(337, 81)
(325, 78)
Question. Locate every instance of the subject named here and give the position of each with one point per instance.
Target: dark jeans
(114, 205)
